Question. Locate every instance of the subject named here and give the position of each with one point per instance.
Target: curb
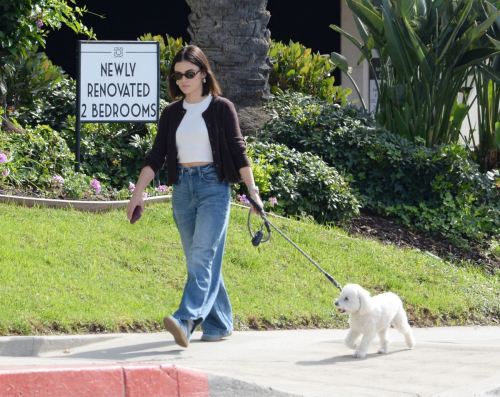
(33, 346)
(113, 380)
(80, 205)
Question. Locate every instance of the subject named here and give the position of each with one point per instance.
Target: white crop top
(191, 137)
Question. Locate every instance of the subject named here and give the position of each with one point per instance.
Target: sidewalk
(454, 361)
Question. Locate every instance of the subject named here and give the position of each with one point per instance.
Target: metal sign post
(118, 82)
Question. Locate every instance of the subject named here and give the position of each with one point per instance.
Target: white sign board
(118, 81)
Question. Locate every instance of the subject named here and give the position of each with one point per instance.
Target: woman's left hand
(255, 195)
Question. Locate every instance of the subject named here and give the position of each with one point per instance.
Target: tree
(23, 26)
(234, 36)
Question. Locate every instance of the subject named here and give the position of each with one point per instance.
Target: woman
(199, 138)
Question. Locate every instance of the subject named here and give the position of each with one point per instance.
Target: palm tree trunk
(234, 36)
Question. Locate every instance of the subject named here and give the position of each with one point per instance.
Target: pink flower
(243, 199)
(161, 189)
(57, 181)
(144, 195)
(39, 23)
(6, 172)
(131, 186)
(96, 185)
(3, 158)
(273, 201)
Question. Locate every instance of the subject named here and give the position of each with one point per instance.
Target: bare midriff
(196, 164)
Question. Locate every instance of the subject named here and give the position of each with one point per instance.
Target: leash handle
(252, 201)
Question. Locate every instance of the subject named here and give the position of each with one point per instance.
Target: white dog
(370, 316)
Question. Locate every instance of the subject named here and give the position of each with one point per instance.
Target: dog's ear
(365, 301)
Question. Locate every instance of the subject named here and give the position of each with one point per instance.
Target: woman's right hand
(135, 200)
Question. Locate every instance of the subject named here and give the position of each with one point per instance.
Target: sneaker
(179, 329)
(213, 337)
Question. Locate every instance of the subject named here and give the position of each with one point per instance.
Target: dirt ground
(387, 231)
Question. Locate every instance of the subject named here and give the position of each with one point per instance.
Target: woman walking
(200, 140)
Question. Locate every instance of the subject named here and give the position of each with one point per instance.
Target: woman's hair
(195, 55)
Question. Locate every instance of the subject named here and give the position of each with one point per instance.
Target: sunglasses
(189, 74)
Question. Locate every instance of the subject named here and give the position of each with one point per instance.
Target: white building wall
(352, 54)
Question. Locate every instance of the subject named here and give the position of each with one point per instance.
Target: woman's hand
(255, 195)
(147, 174)
(134, 202)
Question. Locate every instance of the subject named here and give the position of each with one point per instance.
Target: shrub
(434, 190)
(303, 183)
(296, 68)
(27, 77)
(114, 152)
(34, 158)
(51, 106)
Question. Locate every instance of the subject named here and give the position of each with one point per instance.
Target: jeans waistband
(194, 170)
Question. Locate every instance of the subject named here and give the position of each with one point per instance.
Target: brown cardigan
(228, 145)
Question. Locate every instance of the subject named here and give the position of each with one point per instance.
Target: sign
(373, 79)
(118, 81)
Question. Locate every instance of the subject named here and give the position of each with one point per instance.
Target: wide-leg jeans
(201, 206)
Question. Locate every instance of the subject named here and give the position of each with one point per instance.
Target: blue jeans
(201, 207)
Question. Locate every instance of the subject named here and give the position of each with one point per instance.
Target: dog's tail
(400, 322)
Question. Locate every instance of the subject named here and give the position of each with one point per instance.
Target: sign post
(118, 82)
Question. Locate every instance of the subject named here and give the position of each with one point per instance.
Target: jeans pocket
(209, 175)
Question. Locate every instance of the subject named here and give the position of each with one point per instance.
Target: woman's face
(190, 87)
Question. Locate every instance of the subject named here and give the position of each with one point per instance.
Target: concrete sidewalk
(454, 361)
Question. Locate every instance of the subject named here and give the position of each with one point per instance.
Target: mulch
(387, 231)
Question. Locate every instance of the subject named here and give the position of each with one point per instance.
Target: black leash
(257, 238)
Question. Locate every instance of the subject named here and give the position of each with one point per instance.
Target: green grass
(64, 271)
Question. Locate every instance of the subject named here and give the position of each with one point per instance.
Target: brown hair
(195, 55)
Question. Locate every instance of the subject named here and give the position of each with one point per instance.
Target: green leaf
(497, 134)
(402, 125)
(496, 43)
(370, 18)
(493, 10)
(394, 44)
(348, 36)
(408, 9)
(475, 56)
(451, 30)
(340, 61)
(424, 56)
(364, 34)
(481, 29)
(459, 115)
(489, 73)
(422, 7)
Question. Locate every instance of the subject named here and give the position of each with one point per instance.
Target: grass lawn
(64, 271)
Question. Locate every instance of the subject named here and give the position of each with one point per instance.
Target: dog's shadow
(345, 359)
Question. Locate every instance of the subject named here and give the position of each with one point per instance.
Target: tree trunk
(233, 35)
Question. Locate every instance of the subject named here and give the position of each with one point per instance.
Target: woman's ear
(365, 301)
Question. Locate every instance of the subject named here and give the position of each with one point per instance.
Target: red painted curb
(111, 380)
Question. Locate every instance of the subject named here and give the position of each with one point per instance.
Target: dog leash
(257, 238)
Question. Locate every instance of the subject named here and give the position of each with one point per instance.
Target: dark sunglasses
(189, 74)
